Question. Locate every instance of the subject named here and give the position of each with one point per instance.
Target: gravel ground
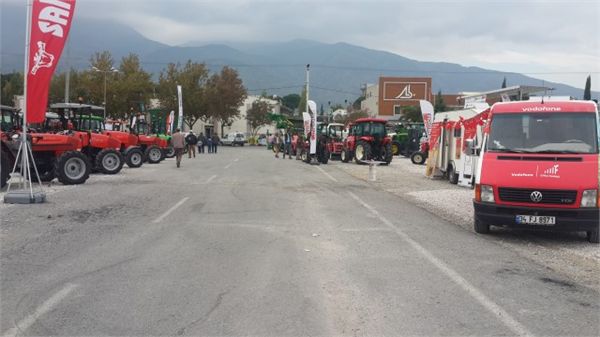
(568, 253)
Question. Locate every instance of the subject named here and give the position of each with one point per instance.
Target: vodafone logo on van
(542, 109)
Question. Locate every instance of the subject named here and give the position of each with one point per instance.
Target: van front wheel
(592, 236)
(481, 228)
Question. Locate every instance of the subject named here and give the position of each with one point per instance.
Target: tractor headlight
(589, 199)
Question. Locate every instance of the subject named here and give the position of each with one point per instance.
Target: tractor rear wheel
(4, 170)
(72, 168)
(388, 154)
(109, 161)
(170, 152)
(396, 147)
(324, 156)
(153, 154)
(362, 152)
(134, 157)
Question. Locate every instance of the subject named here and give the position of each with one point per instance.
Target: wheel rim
(75, 168)
(395, 149)
(136, 158)
(171, 152)
(111, 162)
(360, 152)
(155, 154)
(418, 158)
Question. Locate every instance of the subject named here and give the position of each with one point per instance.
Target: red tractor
(154, 148)
(54, 155)
(368, 140)
(102, 151)
(335, 138)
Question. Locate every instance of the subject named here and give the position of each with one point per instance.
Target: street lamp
(111, 70)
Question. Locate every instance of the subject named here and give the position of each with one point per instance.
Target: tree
(258, 116)
(132, 88)
(56, 93)
(358, 102)
(226, 94)
(92, 82)
(12, 84)
(351, 116)
(291, 101)
(193, 79)
(302, 104)
(412, 113)
(587, 93)
(503, 83)
(440, 105)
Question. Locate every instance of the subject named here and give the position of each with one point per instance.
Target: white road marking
(487, 303)
(210, 179)
(166, 214)
(48, 305)
(327, 174)
(236, 160)
(228, 166)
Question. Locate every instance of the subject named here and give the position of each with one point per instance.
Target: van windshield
(543, 133)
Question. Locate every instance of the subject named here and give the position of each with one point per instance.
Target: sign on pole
(180, 107)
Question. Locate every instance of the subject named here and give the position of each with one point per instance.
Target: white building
(241, 124)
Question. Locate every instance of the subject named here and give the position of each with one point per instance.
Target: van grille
(523, 195)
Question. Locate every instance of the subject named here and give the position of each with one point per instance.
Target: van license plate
(536, 220)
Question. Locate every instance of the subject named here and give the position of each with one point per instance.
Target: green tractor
(405, 138)
(155, 129)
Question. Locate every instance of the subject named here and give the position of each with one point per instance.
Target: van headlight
(589, 199)
(487, 194)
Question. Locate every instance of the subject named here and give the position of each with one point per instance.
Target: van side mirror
(471, 148)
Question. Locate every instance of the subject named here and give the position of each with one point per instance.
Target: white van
(234, 138)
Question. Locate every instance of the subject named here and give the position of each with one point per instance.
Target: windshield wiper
(510, 150)
(561, 152)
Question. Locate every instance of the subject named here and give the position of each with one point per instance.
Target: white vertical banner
(171, 122)
(180, 107)
(312, 106)
(133, 122)
(306, 119)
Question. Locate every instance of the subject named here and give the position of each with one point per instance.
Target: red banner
(50, 25)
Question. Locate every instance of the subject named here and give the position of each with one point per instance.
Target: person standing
(201, 143)
(209, 144)
(287, 145)
(178, 141)
(276, 144)
(192, 142)
(299, 147)
(215, 141)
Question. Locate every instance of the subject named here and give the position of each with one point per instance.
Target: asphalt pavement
(242, 243)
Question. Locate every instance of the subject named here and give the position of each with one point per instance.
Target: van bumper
(568, 220)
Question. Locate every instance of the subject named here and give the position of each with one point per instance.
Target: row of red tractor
(366, 140)
(72, 143)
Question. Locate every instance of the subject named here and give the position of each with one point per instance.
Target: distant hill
(336, 70)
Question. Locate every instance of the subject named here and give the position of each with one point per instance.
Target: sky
(557, 41)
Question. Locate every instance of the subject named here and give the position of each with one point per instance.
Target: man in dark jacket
(201, 142)
(215, 141)
(192, 142)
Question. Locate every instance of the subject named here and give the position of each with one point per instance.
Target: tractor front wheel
(72, 168)
(153, 154)
(109, 161)
(345, 155)
(418, 158)
(134, 157)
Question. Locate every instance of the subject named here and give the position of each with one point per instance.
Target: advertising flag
(312, 106)
(170, 122)
(50, 25)
(306, 119)
(428, 115)
(180, 107)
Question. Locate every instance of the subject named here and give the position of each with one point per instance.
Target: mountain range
(337, 71)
